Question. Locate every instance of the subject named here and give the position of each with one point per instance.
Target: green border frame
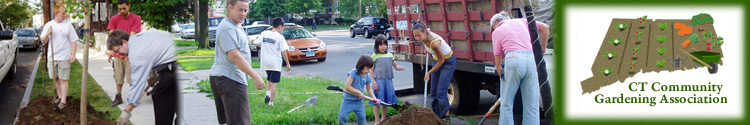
(560, 56)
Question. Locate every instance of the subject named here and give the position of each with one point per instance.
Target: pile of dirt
(413, 115)
(41, 111)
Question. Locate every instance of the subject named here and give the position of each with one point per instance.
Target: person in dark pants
(444, 66)
(149, 51)
(231, 68)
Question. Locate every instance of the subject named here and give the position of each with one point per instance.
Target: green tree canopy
(349, 8)
(15, 13)
(268, 8)
(304, 6)
(160, 14)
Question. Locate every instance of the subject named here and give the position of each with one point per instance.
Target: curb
(29, 86)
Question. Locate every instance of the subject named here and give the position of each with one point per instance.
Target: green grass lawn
(327, 27)
(200, 63)
(184, 42)
(97, 98)
(195, 52)
(293, 92)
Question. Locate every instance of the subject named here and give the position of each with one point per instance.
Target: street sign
(367, 9)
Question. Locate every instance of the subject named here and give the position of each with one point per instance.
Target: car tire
(367, 34)
(322, 60)
(351, 33)
(387, 35)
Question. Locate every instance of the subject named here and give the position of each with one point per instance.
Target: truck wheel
(714, 66)
(462, 95)
(418, 74)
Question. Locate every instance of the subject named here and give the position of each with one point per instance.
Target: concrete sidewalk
(103, 73)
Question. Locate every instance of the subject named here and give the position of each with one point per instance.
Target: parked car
(188, 31)
(303, 45)
(8, 52)
(176, 27)
(213, 23)
(253, 31)
(388, 33)
(369, 26)
(259, 22)
(27, 38)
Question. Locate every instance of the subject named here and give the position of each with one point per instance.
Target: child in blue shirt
(359, 78)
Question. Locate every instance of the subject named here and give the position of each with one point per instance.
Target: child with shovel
(383, 77)
(359, 78)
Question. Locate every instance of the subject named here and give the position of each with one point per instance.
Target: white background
(585, 28)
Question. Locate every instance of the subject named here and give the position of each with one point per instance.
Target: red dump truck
(466, 27)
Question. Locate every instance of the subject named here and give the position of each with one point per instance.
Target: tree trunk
(201, 21)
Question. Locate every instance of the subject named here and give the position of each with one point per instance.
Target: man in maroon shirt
(131, 24)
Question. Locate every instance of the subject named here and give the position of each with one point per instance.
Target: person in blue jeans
(443, 67)
(358, 79)
(512, 46)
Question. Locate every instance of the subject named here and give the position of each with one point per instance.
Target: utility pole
(360, 8)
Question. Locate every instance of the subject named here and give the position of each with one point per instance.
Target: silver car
(27, 38)
(188, 31)
(253, 32)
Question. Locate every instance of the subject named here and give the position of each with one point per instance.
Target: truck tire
(462, 95)
(418, 74)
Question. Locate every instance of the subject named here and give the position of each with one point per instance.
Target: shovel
(337, 88)
(310, 101)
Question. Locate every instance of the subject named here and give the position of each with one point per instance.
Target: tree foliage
(15, 13)
(304, 6)
(267, 8)
(160, 14)
(349, 8)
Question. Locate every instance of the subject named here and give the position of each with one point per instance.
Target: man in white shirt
(62, 53)
(274, 49)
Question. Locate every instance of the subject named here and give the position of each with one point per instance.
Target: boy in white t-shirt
(62, 37)
(274, 48)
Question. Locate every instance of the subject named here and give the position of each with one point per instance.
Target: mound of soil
(41, 111)
(413, 115)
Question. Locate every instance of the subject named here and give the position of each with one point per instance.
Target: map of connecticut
(640, 45)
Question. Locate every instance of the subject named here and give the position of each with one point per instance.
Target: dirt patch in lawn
(413, 115)
(41, 111)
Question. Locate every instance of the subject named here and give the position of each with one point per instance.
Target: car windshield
(255, 30)
(380, 21)
(296, 33)
(214, 21)
(25, 32)
(189, 27)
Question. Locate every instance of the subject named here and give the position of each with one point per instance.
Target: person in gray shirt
(148, 51)
(229, 73)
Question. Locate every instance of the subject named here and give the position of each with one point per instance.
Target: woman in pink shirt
(512, 46)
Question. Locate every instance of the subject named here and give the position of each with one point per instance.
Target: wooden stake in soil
(85, 74)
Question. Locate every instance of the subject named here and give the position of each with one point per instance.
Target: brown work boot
(117, 101)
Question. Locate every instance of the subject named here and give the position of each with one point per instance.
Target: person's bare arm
(372, 95)
(73, 46)
(439, 54)
(372, 76)
(351, 89)
(498, 61)
(286, 58)
(397, 67)
(244, 66)
(45, 36)
(544, 29)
